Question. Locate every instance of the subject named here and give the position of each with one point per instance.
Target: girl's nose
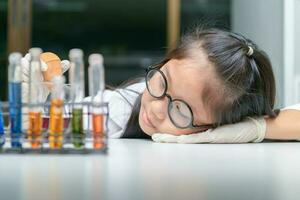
(159, 108)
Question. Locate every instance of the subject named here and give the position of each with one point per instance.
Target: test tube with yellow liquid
(96, 89)
(56, 122)
(34, 130)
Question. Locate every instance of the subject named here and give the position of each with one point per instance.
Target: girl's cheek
(145, 98)
(183, 132)
(166, 126)
(169, 128)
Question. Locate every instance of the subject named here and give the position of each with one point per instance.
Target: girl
(214, 77)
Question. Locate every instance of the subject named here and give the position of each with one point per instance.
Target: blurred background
(136, 33)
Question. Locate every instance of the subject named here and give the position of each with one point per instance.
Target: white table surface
(141, 169)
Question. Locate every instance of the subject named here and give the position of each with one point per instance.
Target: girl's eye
(180, 110)
(178, 107)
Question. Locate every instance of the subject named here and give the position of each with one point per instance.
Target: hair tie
(250, 51)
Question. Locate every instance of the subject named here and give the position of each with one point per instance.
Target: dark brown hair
(247, 81)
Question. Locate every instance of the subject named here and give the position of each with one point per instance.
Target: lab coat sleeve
(120, 102)
(113, 129)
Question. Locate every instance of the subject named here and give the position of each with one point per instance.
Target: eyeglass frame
(165, 94)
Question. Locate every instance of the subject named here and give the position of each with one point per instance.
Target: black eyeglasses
(180, 113)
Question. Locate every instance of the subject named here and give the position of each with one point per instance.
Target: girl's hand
(249, 130)
(45, 85)
(25, 62)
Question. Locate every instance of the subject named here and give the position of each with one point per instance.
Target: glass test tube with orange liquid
(34, 130)
(96, 89)
(56, 122)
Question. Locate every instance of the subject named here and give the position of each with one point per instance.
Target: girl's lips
(147, 120)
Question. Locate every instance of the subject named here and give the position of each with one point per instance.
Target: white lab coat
(120, 102)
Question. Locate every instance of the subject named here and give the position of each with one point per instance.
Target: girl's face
(187, 80)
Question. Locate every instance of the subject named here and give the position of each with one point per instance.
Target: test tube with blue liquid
(76, 76)
(15, 99)
(96, 89)
(2, 133)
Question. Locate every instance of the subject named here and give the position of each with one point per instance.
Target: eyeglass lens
(179, 112)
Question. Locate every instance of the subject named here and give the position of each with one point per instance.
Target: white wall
(291, 51)
(262, 22)
(296, 67)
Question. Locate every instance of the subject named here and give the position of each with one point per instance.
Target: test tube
(2, 134)
(77, 94)
(35, 98)
(96, 89)
(15, 99)
(56, 122)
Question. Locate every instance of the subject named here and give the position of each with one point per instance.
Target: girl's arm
(286, 126)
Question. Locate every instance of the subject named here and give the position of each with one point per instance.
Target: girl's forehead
(197, 70)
